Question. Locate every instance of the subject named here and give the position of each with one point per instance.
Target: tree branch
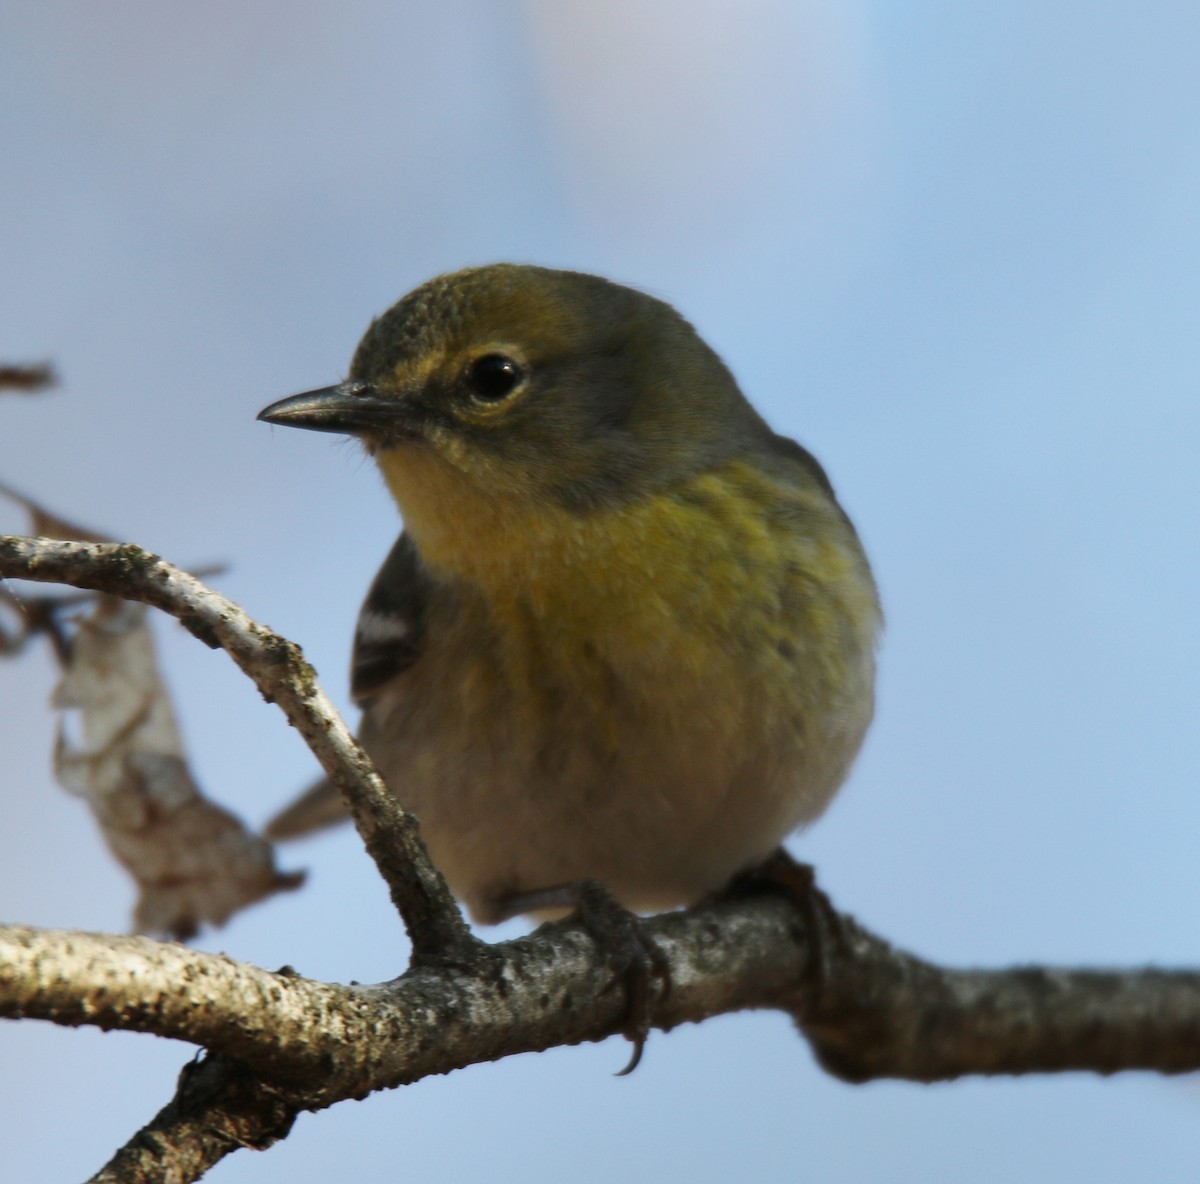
(881, 1012)
(886, 1013)
(219, 1107)
(278, 669)
(286, 1044)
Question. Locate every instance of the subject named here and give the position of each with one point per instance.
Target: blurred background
(954, 249)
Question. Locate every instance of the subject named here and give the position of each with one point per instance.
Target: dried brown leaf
(194, 862)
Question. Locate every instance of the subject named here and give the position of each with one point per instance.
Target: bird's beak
(352, 408)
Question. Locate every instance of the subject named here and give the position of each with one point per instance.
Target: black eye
(493, 376)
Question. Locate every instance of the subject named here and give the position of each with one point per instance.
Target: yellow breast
(734, 580)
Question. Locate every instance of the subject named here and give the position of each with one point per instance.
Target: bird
(627, 635)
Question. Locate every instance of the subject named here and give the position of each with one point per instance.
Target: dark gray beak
(351, 408)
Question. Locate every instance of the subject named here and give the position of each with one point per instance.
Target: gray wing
(391, 622)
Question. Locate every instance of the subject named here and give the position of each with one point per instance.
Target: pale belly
(653, 697)
(553, 765)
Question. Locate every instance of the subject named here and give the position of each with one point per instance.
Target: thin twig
(278, 669)
(219, 1107)
(881, 1013)
(27, 379)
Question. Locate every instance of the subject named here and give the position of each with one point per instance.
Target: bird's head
(531, 383)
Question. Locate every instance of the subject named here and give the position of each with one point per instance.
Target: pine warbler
(628, 633)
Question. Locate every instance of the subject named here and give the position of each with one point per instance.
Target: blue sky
(951, 248)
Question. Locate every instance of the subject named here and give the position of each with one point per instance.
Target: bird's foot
(636, 960)
(824, 927)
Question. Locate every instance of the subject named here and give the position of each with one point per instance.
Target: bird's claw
(824, 927)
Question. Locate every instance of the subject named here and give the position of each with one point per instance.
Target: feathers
(391, 623)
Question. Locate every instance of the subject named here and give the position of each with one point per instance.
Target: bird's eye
(493, 376)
